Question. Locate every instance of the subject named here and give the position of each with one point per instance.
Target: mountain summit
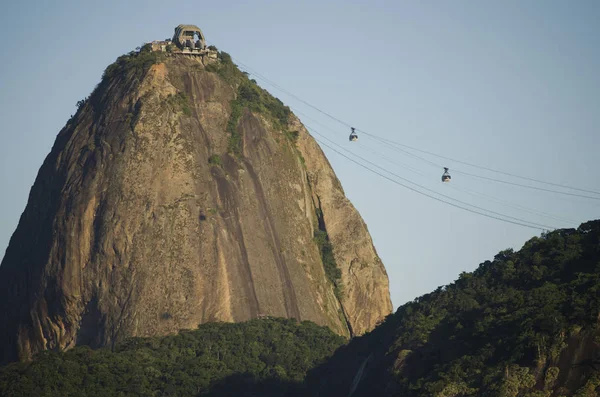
(182, 193)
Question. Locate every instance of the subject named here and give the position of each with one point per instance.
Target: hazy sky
(511, 85)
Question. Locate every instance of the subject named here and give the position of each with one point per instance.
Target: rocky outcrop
(365, 284)
(142, 221)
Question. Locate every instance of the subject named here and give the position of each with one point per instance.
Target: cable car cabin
(353, 136)
(446, 176)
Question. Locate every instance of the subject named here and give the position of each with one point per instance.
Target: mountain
(182, 193)
(526, 324)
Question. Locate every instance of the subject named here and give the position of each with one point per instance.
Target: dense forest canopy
(524, 324)
(261, 357)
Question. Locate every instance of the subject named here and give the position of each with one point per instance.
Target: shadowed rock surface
(143, 220)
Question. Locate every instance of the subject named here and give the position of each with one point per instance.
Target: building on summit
(188, 39)
(189, 36)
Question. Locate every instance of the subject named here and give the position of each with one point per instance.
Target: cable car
(353, 136)
(446, 176)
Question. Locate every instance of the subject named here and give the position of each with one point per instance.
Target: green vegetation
(180, 101)
(252, 97)
(81, 103)
(260, 101)
(133, 64)
(126, 72)
(292, 136)
(497, 331)
(215, 159)
(235, 139)
(332, 271)
(267, 357)
(226, 69)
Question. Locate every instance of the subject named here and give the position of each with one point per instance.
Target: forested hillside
(524, 324)
(266, 357)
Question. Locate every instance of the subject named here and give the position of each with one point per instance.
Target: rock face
(143, 220)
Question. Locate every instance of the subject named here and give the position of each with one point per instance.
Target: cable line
(543, 227)
(480, 166)
(474, 192)
(400, 150)
(393, 147)
(379, 154)
(513, 205)
(525, 186)
(277, 86)
(255, 73)
(403, 165)
(425, 194)
(510, 204)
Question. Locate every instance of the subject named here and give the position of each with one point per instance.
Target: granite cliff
(182, 193)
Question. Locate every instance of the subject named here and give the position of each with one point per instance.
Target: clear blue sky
(512, 85)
